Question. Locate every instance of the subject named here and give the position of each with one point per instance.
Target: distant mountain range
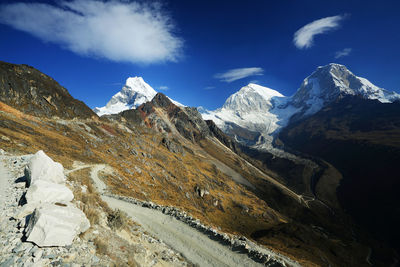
(254, 115)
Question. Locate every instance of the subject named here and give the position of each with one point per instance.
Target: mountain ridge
(266, 111)
(35, 93)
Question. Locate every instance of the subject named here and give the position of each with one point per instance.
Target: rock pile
(55, 221)
(13, 250)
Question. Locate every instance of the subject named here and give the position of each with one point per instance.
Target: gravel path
(194, 245)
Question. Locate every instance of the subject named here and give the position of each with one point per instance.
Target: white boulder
(56, 225)
(42, 191)
(42, 167)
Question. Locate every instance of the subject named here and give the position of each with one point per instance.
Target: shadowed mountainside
(361, 138)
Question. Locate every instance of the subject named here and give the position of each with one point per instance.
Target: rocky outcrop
(55, 221)
(222, 137)
(44, 168)
(29, 90)
(13, 250)
(163, 115)
(56, 225)
(172, 146)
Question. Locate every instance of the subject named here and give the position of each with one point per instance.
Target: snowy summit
(255, 114)
(134, 93)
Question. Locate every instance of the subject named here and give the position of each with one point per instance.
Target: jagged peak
(332, 66)
(331, 81)
(161, 100)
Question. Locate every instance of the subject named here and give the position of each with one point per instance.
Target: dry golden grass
(165, 178)
(101, 246)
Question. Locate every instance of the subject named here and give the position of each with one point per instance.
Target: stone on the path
(56, 225)
(42, 191)
(42, 167)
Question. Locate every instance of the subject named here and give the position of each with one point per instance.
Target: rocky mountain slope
(169, 156)
(134, 93)
(35, 93)
(254, 115)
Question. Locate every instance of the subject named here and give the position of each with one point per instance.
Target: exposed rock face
(162, 114)
(44, 168)
(56, 225)
(172, 146)
(222, 137)
(27, 89)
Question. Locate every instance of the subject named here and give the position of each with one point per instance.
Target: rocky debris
(5, 138)
(172, 146)
(43, 167)
(237, 243)
(133, 152)
(201, 191)
(13, 250)
(84, 251)
(55, 221)
(56, 225)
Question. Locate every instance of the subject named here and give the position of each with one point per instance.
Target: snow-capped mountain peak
(329, 82)
(139, 86)
(251, 97)
(263, 112)
(134, 93)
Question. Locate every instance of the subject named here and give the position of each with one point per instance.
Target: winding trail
(194, 245)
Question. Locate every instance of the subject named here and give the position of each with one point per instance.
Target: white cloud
(303, 38)
(343, 53)
(163, 88)
(115, 29)
(237, 74)
(209, 87)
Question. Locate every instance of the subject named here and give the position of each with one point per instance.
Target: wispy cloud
(163, 88)
(254, 81)
(117, 30)
(237, 74)
(343, 53)
(303, 38)
(209, 87)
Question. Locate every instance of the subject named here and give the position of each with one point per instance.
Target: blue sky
(189, 46)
